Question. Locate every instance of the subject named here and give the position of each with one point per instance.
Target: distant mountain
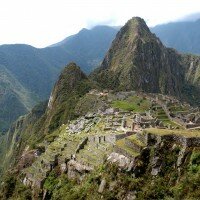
(89, 46)
(183, 36)
(15, 100)
(36, 70)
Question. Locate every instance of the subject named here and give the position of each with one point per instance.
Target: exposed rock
(121, 160)
(181, 156)
(102, 186)
(63, 167)
(156, 165)
(75, 168)
(130, 196)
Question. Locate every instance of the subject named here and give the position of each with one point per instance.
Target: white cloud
(43, 22)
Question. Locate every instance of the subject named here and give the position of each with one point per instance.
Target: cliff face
(192, 67)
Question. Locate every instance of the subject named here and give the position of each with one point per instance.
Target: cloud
(191, 17)
(43, 22)
(109, 22)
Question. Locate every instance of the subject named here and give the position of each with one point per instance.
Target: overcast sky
(44, 22)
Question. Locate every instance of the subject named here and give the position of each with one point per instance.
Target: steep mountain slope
(15, 100)
(183, 36)
(137, 60)
(44, 118)
(75, 161)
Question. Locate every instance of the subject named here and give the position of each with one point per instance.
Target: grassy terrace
(185, 133)
(134, 139)
(161, 115)
(121, 144)
(135, 103)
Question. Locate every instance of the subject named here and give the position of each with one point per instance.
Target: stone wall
(152, 139)
(132, 145)
(192, 125)
(123, 152)
(81, 145)
(143, 137)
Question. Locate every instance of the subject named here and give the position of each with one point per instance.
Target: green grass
(185, 133)
(121, 144)
(135, 103)
(134, 139)
(162, 116)
(177, 108)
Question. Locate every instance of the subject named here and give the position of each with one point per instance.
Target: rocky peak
(137, 60)
(136, 25)
(68, 80)
(71, 85)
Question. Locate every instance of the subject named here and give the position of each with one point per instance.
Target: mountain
(137, 60)
(36, 70)
(71, 85)
(107, 153)
(89, 45)
(183, 36)
(15, 100)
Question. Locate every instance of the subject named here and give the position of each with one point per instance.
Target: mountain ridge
(183, 36)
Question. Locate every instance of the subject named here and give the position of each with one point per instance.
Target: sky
(44, 22)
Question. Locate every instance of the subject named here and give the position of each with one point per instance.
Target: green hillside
(15, 100)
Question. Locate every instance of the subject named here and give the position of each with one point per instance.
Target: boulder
(122, 161)
(63, 167)
(102, 186)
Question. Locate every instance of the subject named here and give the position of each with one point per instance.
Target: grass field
(135, 103)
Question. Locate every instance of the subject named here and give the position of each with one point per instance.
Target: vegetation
(162, 116)
(185, 133)
(120, 183)
(122, 145)
(135, 104)
(15, 100)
